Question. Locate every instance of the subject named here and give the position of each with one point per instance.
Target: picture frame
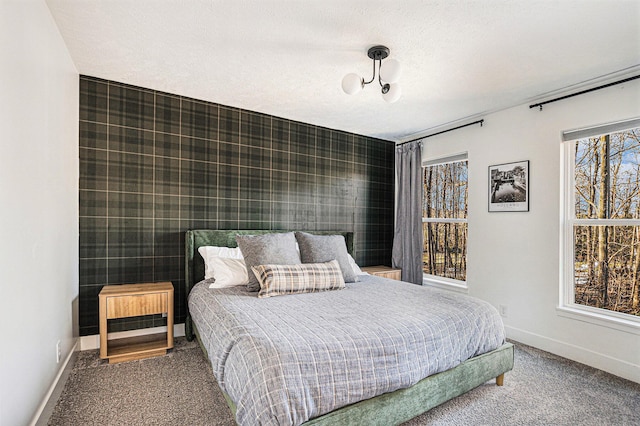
(509, 187)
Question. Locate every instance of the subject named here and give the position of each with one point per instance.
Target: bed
(250, 341)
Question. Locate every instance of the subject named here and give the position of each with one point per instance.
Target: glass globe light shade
(351, 84)
(393, 94)
(390, 71)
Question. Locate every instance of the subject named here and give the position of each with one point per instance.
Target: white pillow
(355, 266)
(228, 252)
(227, 272)
(211, 252)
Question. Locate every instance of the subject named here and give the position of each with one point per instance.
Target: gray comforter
(288, 359)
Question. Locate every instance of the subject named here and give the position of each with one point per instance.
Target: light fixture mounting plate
(378, 52)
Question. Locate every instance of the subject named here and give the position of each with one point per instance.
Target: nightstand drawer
(136, 304)
(384, 272)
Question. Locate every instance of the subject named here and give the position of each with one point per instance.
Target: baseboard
(93, 341)
(579, 354)
(44, 411)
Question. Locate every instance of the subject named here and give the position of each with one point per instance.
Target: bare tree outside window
(445, 220)
(606, 244)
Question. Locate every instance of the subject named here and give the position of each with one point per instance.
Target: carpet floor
(179, 389)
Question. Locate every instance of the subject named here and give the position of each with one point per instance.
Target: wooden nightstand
(384, 271)
(132, 300)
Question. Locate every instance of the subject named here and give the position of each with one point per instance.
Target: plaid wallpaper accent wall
(153, 165)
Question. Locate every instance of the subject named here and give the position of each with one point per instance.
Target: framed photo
(509, 187)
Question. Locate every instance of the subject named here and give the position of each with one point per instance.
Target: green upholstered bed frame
(387, 409)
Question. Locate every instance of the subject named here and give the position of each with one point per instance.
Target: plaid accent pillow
(276, 280)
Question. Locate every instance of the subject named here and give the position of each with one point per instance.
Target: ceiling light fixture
(388, 75)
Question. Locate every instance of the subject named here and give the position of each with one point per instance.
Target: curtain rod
(539, 104)
(444, 131)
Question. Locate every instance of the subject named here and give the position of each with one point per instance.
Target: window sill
(594, 316)
(445, 284)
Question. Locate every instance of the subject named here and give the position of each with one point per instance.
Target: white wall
(514, 258)
(38, 206)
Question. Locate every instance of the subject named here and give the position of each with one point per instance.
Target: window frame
(567, 306)
(436, 280)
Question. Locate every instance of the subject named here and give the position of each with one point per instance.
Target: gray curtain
(407, 238)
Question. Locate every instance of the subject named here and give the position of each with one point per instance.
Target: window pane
(607, 267)
(607, 176)
(445, 250)
(445, 191)
(588, 178)
(625, 174)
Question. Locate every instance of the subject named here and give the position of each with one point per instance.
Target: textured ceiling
(460, 59)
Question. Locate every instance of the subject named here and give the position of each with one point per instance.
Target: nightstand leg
(170, 320)
(103, 327)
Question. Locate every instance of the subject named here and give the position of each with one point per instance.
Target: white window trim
(567, 307)
(435, 280)
(442, 220)
(445, 283)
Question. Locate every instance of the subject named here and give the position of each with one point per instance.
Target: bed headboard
(194, 264)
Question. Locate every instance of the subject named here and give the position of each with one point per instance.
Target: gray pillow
(268, 249)
(325, 248)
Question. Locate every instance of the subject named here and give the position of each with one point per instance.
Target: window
(444, 217)
(602, 221)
